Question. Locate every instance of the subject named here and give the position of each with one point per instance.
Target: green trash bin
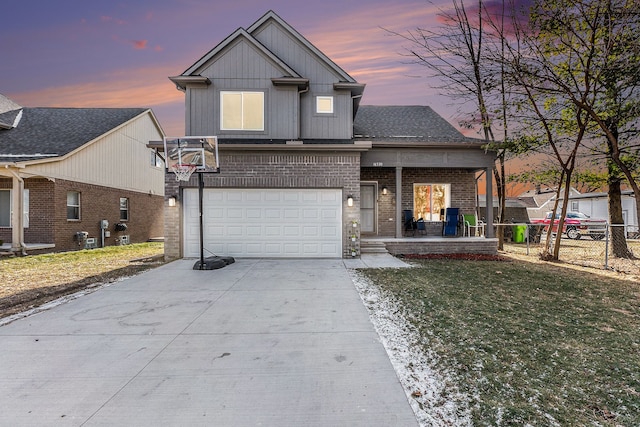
(519, 232)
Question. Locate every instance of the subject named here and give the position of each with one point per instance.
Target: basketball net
(183, 171)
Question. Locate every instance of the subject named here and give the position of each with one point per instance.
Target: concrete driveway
(257, 343)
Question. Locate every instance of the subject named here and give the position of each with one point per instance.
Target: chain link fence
(614, 247)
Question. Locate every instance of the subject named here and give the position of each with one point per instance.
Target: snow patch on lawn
(432, 393)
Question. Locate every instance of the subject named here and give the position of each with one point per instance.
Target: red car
(576, 225)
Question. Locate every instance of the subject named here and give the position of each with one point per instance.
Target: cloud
(138, 44)
(111, 19)
(121, 88)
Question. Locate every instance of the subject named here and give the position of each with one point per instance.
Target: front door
(368, 208)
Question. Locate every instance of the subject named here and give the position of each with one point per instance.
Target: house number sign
(377, 163)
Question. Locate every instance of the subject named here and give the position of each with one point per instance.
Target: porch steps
(373, 247)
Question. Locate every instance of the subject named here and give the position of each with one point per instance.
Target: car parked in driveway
(576, 225)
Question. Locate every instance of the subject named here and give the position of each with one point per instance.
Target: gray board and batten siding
(242, 64)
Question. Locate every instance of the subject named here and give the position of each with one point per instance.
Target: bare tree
(456, 54)
(592, 61)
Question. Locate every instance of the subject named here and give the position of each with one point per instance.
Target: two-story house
(76, 178)
(305, 171)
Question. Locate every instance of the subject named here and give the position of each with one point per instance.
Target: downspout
(17, 215)
(300, 92)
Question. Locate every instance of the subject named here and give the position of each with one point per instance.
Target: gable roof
(7, 104)
(9, 111)
(54, 132)
(191, 76)
(9, 119)
(411, 123)
(271, 16)
(239, 33)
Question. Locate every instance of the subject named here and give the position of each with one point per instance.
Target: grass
(36, 279)
(529, 343)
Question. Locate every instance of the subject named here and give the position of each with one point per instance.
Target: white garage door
(264, 223)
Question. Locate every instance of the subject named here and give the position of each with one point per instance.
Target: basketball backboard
(201, 151)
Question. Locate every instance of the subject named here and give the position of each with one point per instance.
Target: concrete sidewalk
(257, 343)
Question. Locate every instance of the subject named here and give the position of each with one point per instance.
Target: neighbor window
(242, 111)
(5, 208)
(156, 159)
(124, 209)
(429, 199)
(324, 104)
(73, 205)
(575, 206)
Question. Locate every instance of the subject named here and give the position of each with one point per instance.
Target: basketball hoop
(183, 171)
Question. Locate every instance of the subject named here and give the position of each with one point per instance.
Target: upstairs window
(73, 206)
(242, 111)
(124, 209)
(324, 104)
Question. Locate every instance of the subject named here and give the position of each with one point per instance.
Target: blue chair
(421, 227)
(450, 224)
(408, 221)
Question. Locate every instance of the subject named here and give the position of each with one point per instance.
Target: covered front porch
(422, 245)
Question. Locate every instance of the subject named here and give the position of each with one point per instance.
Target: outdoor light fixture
(385, 190)
(349, 200)
(172, 201)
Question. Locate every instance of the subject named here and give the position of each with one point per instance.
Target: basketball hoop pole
(200, 197)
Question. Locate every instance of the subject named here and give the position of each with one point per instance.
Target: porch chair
(451, 220)
(410, 225)
(421, 227)
(472, 222)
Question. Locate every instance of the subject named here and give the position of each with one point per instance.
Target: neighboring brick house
(65, 170)
(301, 161)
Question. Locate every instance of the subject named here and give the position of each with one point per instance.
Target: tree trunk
(618, 238)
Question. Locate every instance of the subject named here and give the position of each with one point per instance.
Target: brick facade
(48, 213)
(463, 190)
(313, 170)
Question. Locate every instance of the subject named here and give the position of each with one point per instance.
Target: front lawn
(30, 281)
(524, 343)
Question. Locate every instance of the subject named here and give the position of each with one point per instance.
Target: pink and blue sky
(78, 53)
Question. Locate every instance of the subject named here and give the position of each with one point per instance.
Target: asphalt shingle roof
(53, 132)
(399, 123)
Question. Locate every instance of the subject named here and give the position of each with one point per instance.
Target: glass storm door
(368, 208)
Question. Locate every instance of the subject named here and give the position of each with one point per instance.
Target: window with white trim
(429, 199)
(124, 209)
(73, 206)
(324, 104)
(242, 111)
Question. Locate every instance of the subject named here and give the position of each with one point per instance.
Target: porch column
(489, 202)
(17, 214)
(399, 224)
